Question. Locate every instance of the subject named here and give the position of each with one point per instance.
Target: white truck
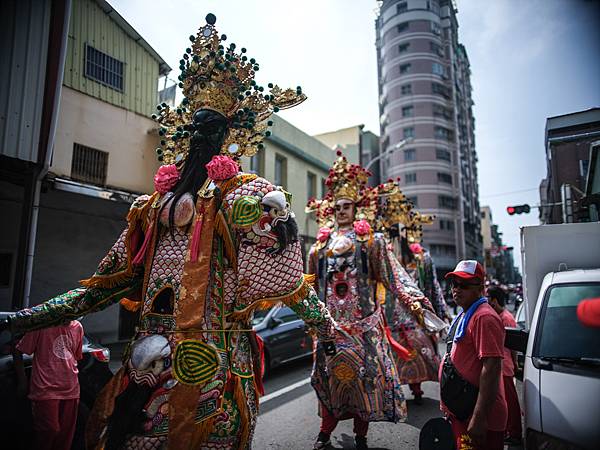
(561, 380)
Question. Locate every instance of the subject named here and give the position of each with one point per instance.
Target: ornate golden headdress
(345, 181)
(216, 77)
(395, 208)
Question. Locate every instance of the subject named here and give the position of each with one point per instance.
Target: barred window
(311, 184)
(403, 27)
(103, 68)
(446, 202)
(89, 165)
(443, 154)
(410, 178)
(406, 89)
(444, 178)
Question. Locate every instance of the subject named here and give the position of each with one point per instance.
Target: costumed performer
(351, 264)
(198, 256)
(406, 310)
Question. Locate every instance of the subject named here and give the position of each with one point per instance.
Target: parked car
(15, 414)
(284, 335)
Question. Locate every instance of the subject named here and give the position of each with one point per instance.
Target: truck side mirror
(516, 339)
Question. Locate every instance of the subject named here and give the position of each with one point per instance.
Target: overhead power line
(509, 193)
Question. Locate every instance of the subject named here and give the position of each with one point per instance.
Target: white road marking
(284, 390)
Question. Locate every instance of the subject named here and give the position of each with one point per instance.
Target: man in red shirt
(477, 352)
(497, 300)
(54, 386)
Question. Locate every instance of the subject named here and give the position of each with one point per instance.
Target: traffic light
(518, 209)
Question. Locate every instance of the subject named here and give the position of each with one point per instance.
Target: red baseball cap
(468, 269)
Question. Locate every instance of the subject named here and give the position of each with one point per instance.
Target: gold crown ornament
(395, 208)
(216, 77)
(345, 181)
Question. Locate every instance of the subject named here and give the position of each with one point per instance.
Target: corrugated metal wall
(89, 24)
(24, 27)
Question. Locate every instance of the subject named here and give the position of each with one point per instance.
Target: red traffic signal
(518, 209)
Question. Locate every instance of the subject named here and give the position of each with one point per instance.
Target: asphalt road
(288, 417)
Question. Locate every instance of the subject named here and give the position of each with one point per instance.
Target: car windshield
(561, 334)
(259, 316)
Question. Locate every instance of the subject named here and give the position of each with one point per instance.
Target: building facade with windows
(104, 156)
(425, 96)
(570, 139)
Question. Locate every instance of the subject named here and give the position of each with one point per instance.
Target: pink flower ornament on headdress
(166, 178)
(323, 234)
(222, 168)
(416, 248)
(362, 227)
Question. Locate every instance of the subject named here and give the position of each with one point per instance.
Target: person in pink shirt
(476, 349)
(54, 386)
(497, 300)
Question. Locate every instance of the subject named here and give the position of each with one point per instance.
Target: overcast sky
(530, 60)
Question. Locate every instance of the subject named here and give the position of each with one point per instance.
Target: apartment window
(409, 132)
(408, 111)
(438, 69)
(443, 133)
(256, 163)
(404, 68)
(442, 250)
(436, 48)
(446, 202)
(444, 178)
(5, 267)
(89, 165)
(410, 178)
(280, 171)
(311, 184)
(410, 154)
(323, 188)
(402, 7)
(414, 200)
(103, 68)
(402, 27)
(406, 89)
(402, 48)
(438, 110)
(447, 225)
(435, 28)
(439, 89)
(443, 154)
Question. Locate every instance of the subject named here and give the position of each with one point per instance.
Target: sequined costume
(196, 268)
(352, 272)
(361, 379)
(404, 315)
